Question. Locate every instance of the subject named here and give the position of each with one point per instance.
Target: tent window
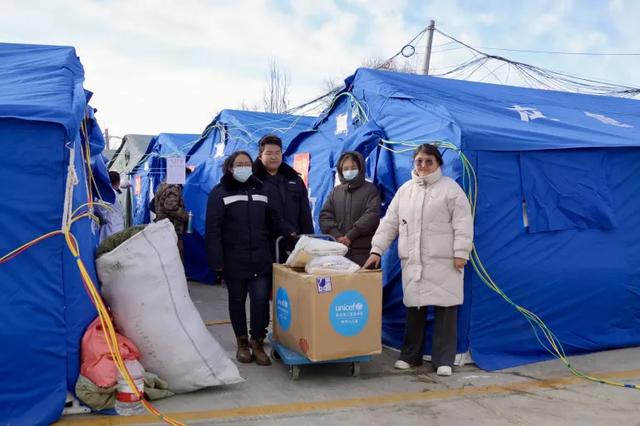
(565, 190)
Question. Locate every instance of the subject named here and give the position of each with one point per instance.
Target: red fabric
(97, 362)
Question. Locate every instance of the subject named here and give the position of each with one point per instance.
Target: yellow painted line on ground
(341, 404)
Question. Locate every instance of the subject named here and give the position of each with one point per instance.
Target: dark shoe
(257, 346)
(244, 352)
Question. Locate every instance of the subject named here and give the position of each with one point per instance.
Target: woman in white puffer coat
(432, 218)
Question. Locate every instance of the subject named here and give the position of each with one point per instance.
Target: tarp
(44, 308)
(229, 131)
(572, 159)
(491, 117)
(129, 153)
(91, 136)
(125, 158)
(42, 83)
(152, 168)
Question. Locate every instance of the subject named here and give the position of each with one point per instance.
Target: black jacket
(239, 220)
(289, 195)
(352, 209)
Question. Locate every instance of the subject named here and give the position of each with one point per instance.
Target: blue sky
(169, 66)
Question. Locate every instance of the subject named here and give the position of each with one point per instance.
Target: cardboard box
(327, 317)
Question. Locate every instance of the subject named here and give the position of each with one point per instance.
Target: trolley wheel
(355, 369)
(275, 355)
(294, 372)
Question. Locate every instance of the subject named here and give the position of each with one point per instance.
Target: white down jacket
(432, 217)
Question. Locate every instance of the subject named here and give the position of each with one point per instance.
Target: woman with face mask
(239, 219)
(351, 212)
(431, 217)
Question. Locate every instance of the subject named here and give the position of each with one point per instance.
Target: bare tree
(334, 85)
(388, 64)
(244, 106)
(330, 87)
(276, 93)
(377, 62)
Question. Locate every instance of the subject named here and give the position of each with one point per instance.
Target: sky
(163, 66)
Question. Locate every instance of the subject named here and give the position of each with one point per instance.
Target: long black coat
(240, 219)
(288, 195)
(352, 210)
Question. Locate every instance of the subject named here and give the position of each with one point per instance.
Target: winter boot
(257, 346)
(244, 353)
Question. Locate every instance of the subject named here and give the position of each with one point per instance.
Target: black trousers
(258, 289)
(444, 340)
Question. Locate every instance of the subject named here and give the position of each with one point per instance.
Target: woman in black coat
(351, 212)
(239, 219)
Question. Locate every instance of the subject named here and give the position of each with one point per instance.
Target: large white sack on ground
(143, 282)
(307, 248)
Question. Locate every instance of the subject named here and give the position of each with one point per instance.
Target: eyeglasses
(420, 162)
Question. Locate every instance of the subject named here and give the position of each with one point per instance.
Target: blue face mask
(350, 175)
(241, 174)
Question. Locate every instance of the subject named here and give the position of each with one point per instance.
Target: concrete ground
(538, 394)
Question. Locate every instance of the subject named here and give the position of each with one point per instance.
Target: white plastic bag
(143, 282)
(331, 265)
(307, 248)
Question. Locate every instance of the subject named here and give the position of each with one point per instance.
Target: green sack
(118, 238)
(98, 398)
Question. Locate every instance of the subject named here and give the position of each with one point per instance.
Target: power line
(335, 91)
(557, 52)
(537, 76)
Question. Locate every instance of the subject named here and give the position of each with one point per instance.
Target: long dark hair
(428, 149)
(227, 166)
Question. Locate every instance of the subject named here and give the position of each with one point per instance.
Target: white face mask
(350, 175)
(241, 174)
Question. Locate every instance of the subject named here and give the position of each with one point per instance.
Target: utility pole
(427, 57)
(106, 138)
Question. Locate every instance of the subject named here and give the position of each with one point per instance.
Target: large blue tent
(46, 129)
(556, 223)
(230, 131)
(151, 170)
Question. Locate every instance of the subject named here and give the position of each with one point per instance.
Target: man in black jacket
(285, 189)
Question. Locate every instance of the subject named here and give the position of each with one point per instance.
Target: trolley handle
(319, 236)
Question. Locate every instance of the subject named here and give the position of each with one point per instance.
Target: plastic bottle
(127, 403)
(189, 223)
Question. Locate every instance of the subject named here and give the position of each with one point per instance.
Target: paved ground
(539, 394)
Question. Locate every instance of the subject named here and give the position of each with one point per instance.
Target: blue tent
(229, 131)
(151, 170)
(556, 223)
(125, 158)
(46, 127)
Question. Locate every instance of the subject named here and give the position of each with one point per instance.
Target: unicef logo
(349, 313)
(283, 309)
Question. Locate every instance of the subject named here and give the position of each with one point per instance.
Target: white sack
(331, 265)
(307, 248)
(143, 282)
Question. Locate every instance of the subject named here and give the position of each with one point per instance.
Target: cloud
(169, 66)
